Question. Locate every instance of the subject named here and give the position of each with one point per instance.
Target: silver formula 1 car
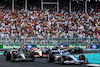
(19, 55)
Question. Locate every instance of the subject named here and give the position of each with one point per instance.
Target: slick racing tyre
(75, 51)
(50, 58)
(80, 50)
(5, 53)
(8, 56)
(32, 57)
(82, 57)
(61, 60)
(47, 52)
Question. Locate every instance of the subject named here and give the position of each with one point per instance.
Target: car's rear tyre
(75, 51)
(47, 52)
(5, 53)
(81, 51)
(82, 57)
(32, 56)
(50, 58)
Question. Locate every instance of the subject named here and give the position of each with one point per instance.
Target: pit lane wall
(61, 45)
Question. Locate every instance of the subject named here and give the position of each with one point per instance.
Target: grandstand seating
(33, 27)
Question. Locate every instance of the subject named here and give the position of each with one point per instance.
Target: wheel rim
(11, 59)
(6, 57)
(61, 60)
(30, 56)
(48, 58)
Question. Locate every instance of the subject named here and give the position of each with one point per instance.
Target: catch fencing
(50, 40)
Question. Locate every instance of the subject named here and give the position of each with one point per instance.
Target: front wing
(21, 59)
(73, 62)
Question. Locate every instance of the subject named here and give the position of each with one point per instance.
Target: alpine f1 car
(65, 58)
(40, 52)
(19, 55)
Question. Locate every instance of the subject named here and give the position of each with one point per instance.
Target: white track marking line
(94, 65)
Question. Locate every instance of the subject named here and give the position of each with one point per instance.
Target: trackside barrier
(81, 46)
(52, 46)
(86, 46)
(1, 46)
(61, 45)
(93, 46)
(11, 46)
(29, 46)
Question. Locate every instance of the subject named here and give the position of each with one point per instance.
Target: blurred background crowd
(48, 22)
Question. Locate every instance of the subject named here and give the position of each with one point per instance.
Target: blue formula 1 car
(65, 58)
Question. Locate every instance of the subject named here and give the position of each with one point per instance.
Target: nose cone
(40, 53)
(23, 56)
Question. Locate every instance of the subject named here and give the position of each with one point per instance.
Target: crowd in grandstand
(49, 23)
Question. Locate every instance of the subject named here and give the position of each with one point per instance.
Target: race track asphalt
(38, 62)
